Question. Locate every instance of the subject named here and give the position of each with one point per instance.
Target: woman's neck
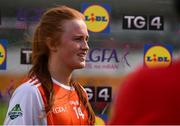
(62, 78)
(60, 73)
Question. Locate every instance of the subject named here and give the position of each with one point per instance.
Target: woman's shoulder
(29, 86)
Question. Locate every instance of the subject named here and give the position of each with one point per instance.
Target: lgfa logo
(3, 44)
(157, 55)
(97, 17)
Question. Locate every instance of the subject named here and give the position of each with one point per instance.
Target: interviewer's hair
(51, 26)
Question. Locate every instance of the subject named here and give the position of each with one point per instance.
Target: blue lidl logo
(97, 17)
(157, 55)
(3, 53)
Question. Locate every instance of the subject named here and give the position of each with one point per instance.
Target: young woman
(50, 96)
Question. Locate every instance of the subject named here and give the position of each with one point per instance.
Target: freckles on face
(73, 44)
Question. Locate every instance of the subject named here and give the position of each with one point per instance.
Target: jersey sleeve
(25, 107)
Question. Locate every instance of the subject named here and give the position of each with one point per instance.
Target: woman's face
(73, 46)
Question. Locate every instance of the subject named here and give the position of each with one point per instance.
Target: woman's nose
(85, 45)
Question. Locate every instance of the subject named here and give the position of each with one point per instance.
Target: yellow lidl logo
(3, 53)
(97, 17)
(99, 121)
(157, 55)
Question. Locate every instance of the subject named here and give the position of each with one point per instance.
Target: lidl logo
(157, 55)
(99, 121)
(97, 17)
(3, 54)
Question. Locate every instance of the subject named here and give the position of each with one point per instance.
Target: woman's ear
(51, 44)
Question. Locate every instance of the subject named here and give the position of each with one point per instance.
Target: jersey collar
(62, 85)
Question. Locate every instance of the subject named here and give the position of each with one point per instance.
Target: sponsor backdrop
(123, 36)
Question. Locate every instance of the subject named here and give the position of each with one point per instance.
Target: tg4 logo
(99, 94)
(143, 22)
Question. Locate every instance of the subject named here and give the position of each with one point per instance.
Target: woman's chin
(80, 65)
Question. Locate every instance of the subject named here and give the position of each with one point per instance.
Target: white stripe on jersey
(31, 106)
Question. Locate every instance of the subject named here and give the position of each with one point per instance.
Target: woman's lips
(82, 55)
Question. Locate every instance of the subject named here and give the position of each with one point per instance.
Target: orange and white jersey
(27, 106)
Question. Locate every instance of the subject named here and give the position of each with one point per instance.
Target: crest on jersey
(15, 112)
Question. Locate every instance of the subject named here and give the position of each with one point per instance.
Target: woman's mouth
(82, 56)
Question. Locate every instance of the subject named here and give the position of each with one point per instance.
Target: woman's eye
(78, 39)
(87, 39)
(81, 39)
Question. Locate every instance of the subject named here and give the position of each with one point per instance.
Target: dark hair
(51, 26)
